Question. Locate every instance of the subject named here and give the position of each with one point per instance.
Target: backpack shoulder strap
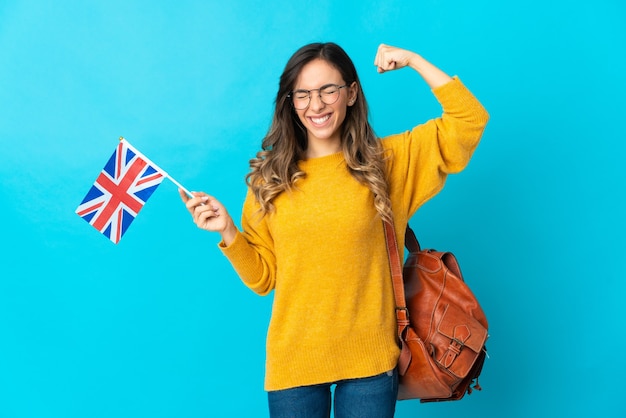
(402, 313)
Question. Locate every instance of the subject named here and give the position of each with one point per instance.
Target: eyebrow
(320, 88)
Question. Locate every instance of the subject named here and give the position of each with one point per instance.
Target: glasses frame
(319, 93)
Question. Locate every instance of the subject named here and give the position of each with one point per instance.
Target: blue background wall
(160, 326)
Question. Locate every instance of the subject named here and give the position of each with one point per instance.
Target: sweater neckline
(331, 159)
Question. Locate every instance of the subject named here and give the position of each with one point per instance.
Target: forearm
(255, 265)
(433, 76)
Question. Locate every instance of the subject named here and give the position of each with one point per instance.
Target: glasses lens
(329, 94)
(300, 99)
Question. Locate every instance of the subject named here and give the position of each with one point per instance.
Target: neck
(317, 149)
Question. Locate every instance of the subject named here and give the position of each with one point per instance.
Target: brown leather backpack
(441, 326)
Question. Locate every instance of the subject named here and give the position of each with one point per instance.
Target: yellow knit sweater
(323, 250)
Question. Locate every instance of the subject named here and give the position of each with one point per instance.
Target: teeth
(320, 120)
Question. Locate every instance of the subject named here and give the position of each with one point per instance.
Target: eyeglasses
(328, 94)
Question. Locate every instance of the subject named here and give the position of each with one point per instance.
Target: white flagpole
(146, 159)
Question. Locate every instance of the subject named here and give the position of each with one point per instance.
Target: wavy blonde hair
(275, 168)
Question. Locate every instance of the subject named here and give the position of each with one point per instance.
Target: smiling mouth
(320, 120)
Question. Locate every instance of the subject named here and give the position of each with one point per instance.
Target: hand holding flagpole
(206, 212)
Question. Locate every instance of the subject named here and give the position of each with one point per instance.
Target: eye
(329, 90)
(300, 94)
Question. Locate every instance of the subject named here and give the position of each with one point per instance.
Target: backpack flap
(459, 341)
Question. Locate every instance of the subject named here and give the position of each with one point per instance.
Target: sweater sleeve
(422, 158)
(252, 251)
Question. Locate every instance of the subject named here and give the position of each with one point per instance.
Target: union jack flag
(120, 191)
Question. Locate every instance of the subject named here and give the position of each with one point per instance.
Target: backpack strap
(410, 240)
(402, 313)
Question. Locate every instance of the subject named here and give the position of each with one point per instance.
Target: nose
(316, 101)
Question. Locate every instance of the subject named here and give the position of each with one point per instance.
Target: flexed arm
(389, 58)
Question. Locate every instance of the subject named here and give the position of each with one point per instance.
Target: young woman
(312, 227)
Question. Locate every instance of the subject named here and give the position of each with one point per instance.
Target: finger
(183, 195)
(204, 206)
(385, 59)
(196, 202)
(390, 65)
(379, 55)
(205, 217)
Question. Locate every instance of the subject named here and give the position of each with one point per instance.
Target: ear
(352, 93)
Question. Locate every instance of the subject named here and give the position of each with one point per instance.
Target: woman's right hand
(209, 214)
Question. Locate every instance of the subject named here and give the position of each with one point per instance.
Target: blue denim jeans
(369, 397)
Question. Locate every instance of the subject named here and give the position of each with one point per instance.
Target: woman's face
(322, 120)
